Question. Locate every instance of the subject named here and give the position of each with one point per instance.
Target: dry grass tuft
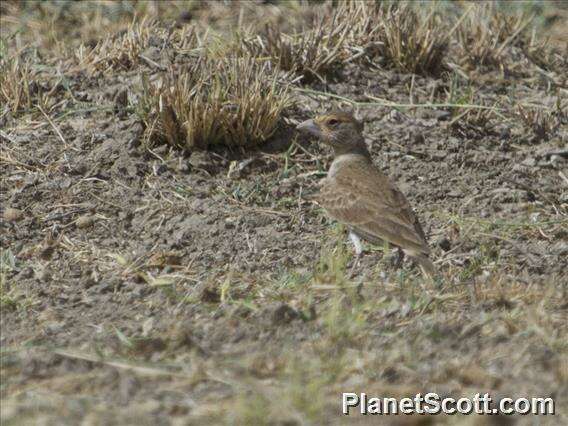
(398, 37)
(413, 43)
(312, 54)
(365, 36)
(486, 33)
(547, 58)
(393, 36)
(542, 124)
(147, 42)
(231, 101)
(119, 52)
(24, 86)
(15, 85)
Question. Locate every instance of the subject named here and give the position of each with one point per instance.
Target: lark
(358, 195)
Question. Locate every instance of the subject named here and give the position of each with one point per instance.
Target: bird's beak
(309, 126)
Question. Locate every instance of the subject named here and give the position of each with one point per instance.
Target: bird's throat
(347, 160)
(359, 149)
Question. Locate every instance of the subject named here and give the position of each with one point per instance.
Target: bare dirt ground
(146, 284)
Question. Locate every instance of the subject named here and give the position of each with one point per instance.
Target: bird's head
(340, 130)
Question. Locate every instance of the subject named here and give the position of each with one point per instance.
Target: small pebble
(84, 221)
(444, 244)
(13, 215)
(54, 327)
(555, 159)
(43, 274)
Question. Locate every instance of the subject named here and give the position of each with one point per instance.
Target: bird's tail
(426, 265)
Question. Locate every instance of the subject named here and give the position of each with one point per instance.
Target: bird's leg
(358, 251)
(399, 258)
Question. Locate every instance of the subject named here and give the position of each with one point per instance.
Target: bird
(356, 193)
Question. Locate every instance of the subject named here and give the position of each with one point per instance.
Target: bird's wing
(364, 199)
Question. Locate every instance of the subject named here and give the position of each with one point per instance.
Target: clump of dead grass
(312, 54)
(119, 52)
(24, 86)
(541, 123)
(403, 37)
(146, 42)
(394, 36)
(230, 101)
(63, 26)
(486, 33)
(411, 42)
(16, 92)
(550, 61)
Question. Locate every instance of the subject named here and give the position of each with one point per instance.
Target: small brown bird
(357, 194)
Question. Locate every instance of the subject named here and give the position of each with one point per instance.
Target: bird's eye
(332, 121)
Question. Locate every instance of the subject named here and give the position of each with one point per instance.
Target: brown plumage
(357, 194)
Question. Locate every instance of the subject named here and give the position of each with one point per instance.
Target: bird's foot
(358, 252)
(354, 266)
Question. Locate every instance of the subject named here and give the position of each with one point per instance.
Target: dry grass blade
(396, 105)
(232, 101)
(119, 364)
